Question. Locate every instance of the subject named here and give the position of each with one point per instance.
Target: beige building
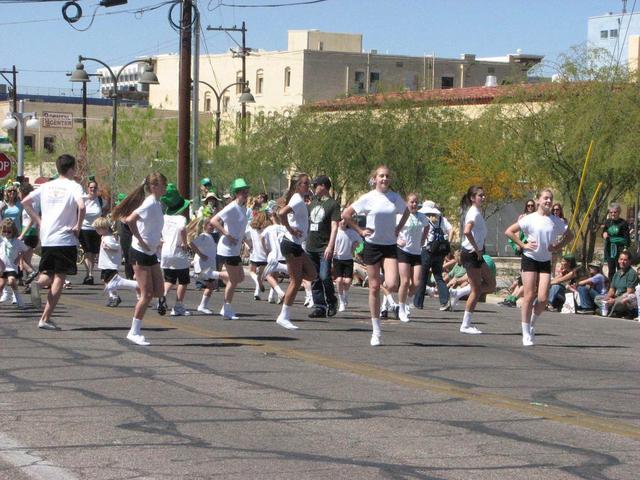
(325, 66)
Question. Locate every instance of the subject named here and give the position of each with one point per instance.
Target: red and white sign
(5, 165)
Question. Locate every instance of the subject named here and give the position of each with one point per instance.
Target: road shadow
(437, 345)
(581, 346)
(119, 329)
(203, 345)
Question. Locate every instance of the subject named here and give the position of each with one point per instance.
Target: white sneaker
(376, 340)
(402, 315)
(342, 307)
(228, 313)
(179, 311)
(453, 299)
(272, 296)
(286, 323)
(50, 325)
(527, 340)
(205, 310)
(470, 330)
(137, 339)
(113, 284)
(407, 308)
(14, 299)
(5, 295)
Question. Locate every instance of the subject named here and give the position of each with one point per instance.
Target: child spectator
(11, 251)
(346, 241)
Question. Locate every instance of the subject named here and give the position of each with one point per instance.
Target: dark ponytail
(137, 196)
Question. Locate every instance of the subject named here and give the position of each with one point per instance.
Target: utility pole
(242, 53)
(14, 93)
(184, 94)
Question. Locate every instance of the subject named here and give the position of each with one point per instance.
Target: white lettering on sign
(57, 120)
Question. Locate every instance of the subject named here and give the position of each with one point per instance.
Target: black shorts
(61, 260)
(107, 274)
(136, 257)
(31, 241)
(343, 268)
(410, 258)
(179, 276)
(224, 260)
(258, 264)
(470, 260)
(90, 241)
(287, 247)
(9, 273)
(531, 265)
(374, 253)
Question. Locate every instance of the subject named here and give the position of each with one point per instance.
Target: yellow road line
(557, 414)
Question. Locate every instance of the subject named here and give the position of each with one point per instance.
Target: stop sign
(5, 165)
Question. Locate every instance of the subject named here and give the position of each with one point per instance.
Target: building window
(287, 78)
(29, 142)
(260, 119)
(259, 81)
(374, 78)
(446, 82)
(604, 33)
(239, 86)
(225, 104)
(207, 101)
(49, 144)
(239, 120)
(359, 82)
(613, 33)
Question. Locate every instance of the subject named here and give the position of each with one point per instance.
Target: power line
(270, 5)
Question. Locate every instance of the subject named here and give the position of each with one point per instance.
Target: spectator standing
(616, 235)
(89, 238)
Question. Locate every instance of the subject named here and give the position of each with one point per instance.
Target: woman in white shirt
(381, 206)
(231, 222)
(294, 216)
(89, 238)
(145, 220)
(544, 233)
(474, 233)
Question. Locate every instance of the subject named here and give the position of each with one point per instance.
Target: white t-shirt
(411, 233)
(299, 219)
(235, 221)
(257, 250)
(479, 230)
(207, 245)
(149, 225)
(381, 210)
(174, 254)
(93, 211)
(110, 253)
(26, 218)
(544, 230)
(9, 251)
(345, 240)
(59, 206)
(272, 236)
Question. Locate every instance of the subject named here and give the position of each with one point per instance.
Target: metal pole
(20, 137)
(218, 98)
(114, 138)
(184, 90)
(14, 74)
(196, 114)
(244, 78)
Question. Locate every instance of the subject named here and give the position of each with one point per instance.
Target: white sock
(534, 317)
(204, 301)
(375, 323)
(342, 298)
(272, 295)
(285, 313)
(113, 294)
(526, 330)
(279, 291)
(254, 277)
(462, 291)
(466, 319)
(127, 284)
(135, 326)
(390, 301)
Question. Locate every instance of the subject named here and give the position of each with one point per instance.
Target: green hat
(238, 184)
(120, 197)
(173, 201)
(205, 182)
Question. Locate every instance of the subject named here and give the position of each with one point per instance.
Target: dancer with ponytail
(142, 212)
(381, 206)
(474, 232)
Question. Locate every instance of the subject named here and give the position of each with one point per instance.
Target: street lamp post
(17, 120)
(245, 98)
(147, 78)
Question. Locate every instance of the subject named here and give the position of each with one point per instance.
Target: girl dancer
(200, 237)
(89, 238)
(346, 241)
(545, 233)
(271, 237)
(381, 206)
(257, 257)
(472, 248)
(410, 242)
(294, 216)
(231, 222)
(145, 220)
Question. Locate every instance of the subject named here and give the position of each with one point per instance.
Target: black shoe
(117, 301)
(586, 311)
(88, 280)
(332, 310)
(396, 311)
(318, 313)
(162, 306)
(384, 314)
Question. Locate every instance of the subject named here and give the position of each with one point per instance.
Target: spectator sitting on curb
(568, 274)
(620, 300)
(589, 288)
(516, 290)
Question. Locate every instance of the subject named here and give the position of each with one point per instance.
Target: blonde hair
(137, 196)
(196, 227)
(103, 223)
(260, 220)
(374, 172)
(8, 223)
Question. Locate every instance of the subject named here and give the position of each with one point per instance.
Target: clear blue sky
(43, 46)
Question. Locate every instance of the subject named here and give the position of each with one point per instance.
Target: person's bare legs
(56, 283)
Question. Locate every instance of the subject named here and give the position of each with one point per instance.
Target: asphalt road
(247, 399)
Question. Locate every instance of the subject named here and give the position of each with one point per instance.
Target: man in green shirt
(324, 216)
(621, 298)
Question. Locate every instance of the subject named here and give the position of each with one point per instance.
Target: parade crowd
(152, 242)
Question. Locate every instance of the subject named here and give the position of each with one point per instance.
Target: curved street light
(147, 78)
